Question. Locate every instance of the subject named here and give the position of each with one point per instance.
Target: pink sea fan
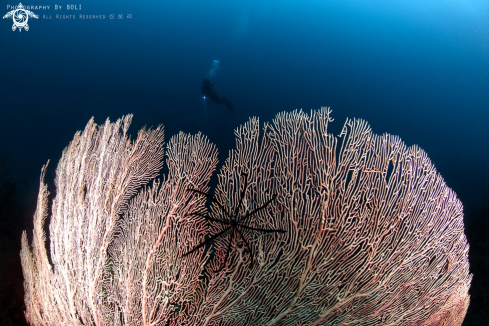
(373, 234)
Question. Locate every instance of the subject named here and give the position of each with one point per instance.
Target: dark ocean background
(418, 69)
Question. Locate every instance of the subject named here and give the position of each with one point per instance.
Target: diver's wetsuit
(209, 91)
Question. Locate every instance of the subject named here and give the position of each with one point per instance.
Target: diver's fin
(229, 104)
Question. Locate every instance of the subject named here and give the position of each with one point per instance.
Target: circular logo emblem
(20, 18)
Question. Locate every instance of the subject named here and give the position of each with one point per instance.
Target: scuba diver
(210, 94)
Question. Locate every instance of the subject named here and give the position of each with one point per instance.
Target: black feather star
(234, 223)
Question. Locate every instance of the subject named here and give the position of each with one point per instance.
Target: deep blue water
(417, 70)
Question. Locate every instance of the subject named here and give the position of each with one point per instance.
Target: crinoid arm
(234, 223)
(214, 237)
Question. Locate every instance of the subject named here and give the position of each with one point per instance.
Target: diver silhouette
(209, 91)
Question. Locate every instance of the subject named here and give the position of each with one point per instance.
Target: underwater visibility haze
(415, 69)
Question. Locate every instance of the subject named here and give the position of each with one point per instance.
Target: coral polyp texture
(372, 235)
